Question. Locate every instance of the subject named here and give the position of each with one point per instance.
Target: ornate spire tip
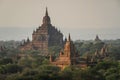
(46, 14)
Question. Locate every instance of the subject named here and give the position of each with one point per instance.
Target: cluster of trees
(33, 66)
(88, 47)
(113, 47)
(107, 70)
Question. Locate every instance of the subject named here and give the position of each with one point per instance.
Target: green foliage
(88, 47)
(55, 50)
(102, 71)
(29, 61)
(112, 74)
(12, 77)
(109, 70)
(45, 62)
(49, 68)
(48, 72)
(10, 68)
(29, 72)
(6, 61)
(36, 67)
(114, 52)
(113, 47)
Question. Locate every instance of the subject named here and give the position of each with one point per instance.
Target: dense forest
(33, 66)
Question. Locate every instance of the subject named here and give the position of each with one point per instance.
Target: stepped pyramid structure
(43, 37)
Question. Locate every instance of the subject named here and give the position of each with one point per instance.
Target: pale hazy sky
(82, 18)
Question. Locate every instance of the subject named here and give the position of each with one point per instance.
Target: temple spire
(28, 40)
(46, 13)
(97, 38)
(46, 18)
(69, 38)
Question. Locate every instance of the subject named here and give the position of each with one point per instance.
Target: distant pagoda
(97, 38)
(43, 37)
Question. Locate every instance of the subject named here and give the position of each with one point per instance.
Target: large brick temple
(43, 37)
